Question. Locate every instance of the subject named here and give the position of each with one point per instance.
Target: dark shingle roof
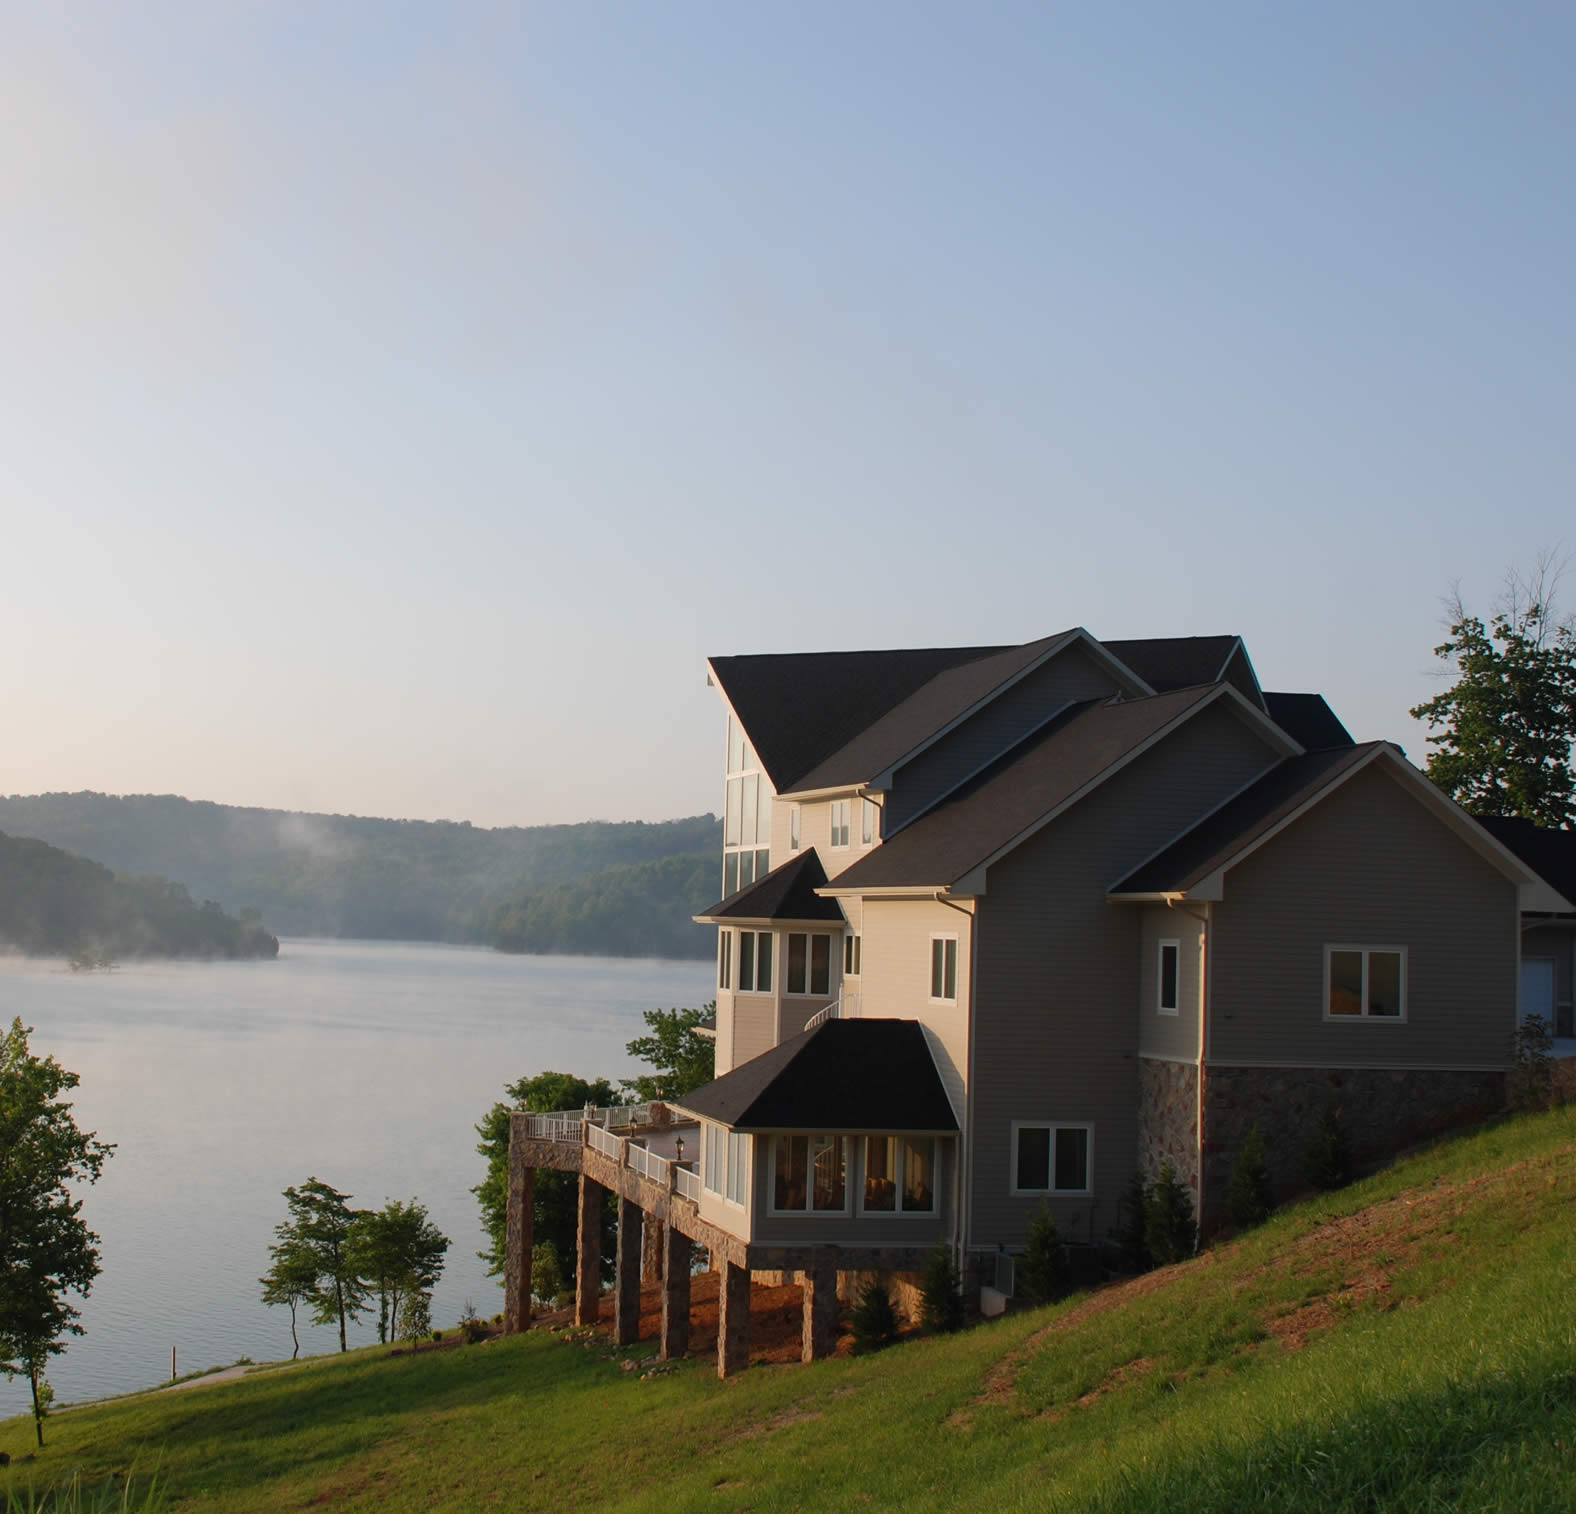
(843, 1075)
(1219, 837)
(1550, 854)
(1022, 787)
(800, 707)
(786, 893)
(1174, 662)
(1308, 720)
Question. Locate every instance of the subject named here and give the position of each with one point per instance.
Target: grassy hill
(1407, 1345)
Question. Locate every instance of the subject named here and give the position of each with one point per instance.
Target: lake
(366, 1064)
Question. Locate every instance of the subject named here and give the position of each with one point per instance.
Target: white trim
(833, 827)
(1161, 1007)
(1324, 1064)
(1364, 1017)
(1241, 646)
(936, 936)
(897, 1212)
(795, 828)
(809, 970)
(1165, 1056)
(830, 890)
(1014, 1191)
(807, 1213)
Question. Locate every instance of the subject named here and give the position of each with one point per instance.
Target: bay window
(900, 1175)
(809, 964)
(755, 962)
(809, 1174)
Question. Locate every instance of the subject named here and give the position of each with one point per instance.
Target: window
(944, 968)
(809, 1173)
(727, 1164)
(1170, 962)
(900, 1175)
(755, 962)
(809, 964)
(1049, 1158)
(1365, 982)
(869, 829)
(839, 811)
(747, 815)
(793, 828)
(850, 956)
(725, 959)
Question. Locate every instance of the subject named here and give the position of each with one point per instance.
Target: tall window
(1051, 1158)
(793, 828)
(726, 1169)
(1167, 974)
(944, 968)
(809, 964)
(810, 1173)
(851, 953)
(725, 959)
(1365, 982)
(839, 811)
(747, 815)
(900, 1175)
(869, 828)
(755, 962)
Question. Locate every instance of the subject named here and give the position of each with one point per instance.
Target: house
(1001, 925)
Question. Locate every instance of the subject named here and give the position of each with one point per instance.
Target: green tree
(1042, 1274)
(874, 1318)
(683, 1058)
(1132, 1211)
(393, 1250)
(415, 1314)
(1169, 1231)
(46, 1248)
(318, 1233)
(941, 1293)
(1327, 1158)
(1250, 1196)
(291, 1281)
(1503, 731)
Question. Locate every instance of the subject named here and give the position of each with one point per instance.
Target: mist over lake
(366, 1064)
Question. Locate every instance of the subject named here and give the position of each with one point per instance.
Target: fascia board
(842, 791)
(713, 681)
(1165, 897)
(1241, 646)
(892, 891)
(772, 920)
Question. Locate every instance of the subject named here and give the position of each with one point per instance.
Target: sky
(399, 402)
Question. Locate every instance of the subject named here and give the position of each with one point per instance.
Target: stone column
(733, 1320)
(518, 1231)
(651, 1250)
(626, 1284)
(675, 1293)
(588, 1252)
(819, 1337)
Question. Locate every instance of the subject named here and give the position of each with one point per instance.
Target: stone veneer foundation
(1168, 1119)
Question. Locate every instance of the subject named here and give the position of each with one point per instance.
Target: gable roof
(786, 893)
(845, 1075)
(1550, 854)
(1308, 719)
(1176, 662)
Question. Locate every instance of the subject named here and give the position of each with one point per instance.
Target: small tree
(1132, 1220)
(1327, 1158)
(1169, 1230)
(874, 1318)
(1250, 1196)
(1043, 1274)
(292, 1281)
(393, 1248)
(941, 1308)
(547, 1278)
(415, 1313)
(684, 1059)
(1532, 1064)
(318, 1234)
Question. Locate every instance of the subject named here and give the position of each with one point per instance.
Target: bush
(1043, 1275)
(1327, 1158)
(415, 1316)
(547, 1277)
(874, 1318)
(1132, 1218)
(471, 1328)
(942, 1288)
(1250, 1198)
(1532, 1064)
(1169, 1231)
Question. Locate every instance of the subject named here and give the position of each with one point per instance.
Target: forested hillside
(54, 904)
(346, 875)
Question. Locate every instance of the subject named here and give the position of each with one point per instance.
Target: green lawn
(1406, 1345)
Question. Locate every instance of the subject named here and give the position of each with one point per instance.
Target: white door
(1537, 988)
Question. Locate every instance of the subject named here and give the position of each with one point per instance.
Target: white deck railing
(833, 1011)
(648, 1164)
(608, 1144)
(687, 1184)
(554, 1127)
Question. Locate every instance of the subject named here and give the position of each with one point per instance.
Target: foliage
(318, 1235)
(1327, 1158)
(1169, 1230)
(117, 1494)
(556, 1211)
(291, 1280)
(415, 1314)
(684, 1060)
(1043, 1274)
(1504, 728)
(1130, 1233)
(46, 1248)
(473, 1329)
(1250, 1196)
(941, 1291)
(874, 1318)
(547, 1277)
(393, 1250)
(56, 905)
(1532, 1064)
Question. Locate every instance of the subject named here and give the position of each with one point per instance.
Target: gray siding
(1171, 1036)
(1367, 866)
(989, 732)
(1057, 982)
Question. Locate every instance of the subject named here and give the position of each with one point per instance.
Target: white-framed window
(1052, 1157)
(899, 1175)
(1365, 983)
(725, 959)
(809, 1174)
(838, 810)
(808, 965)
(747, 815)
(944, 969)
(793, 829)
(726, 1169)
(851, 953)
(1168, 978)
(755, 962)
(869, 826)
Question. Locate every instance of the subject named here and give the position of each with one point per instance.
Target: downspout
(960, 1197)
(1206, 967)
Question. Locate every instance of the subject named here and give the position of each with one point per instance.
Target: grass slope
(1404, 1346)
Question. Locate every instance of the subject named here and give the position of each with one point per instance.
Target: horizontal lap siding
(1057, 985)
(1557, 942)
(754, 1025)
(1173, 1036)
(1368, 866)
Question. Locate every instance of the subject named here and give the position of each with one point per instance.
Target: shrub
(471, 1328)
(1043, 1274)
(1132, 1219)
(942, 1290)
(437, 1335)
(1532, 1064)
(1250, 1198)
(415, 1316)
(1169, 1231)
(874, 1317)
(1327, 1158)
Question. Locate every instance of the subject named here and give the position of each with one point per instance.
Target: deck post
(518, 1237)
(733, 1320)
(626, 1284)
(819, 1338)
(651, 1249)
(588, 1252)
(675, 1293)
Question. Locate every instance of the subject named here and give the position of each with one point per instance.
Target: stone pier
(675, 1293)
(651, 1249)
(626, 1278)
(518, 1245)
(820, 1304)
(588, 1252)
(733, 1320)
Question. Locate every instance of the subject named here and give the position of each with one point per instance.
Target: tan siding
(1367, 866)
(815, 829)
(726, 1060)
(754, 1025)
(1174, 1036)
(1057, 984)
(985, 735)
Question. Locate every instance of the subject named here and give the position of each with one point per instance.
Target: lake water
(366, 1064)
